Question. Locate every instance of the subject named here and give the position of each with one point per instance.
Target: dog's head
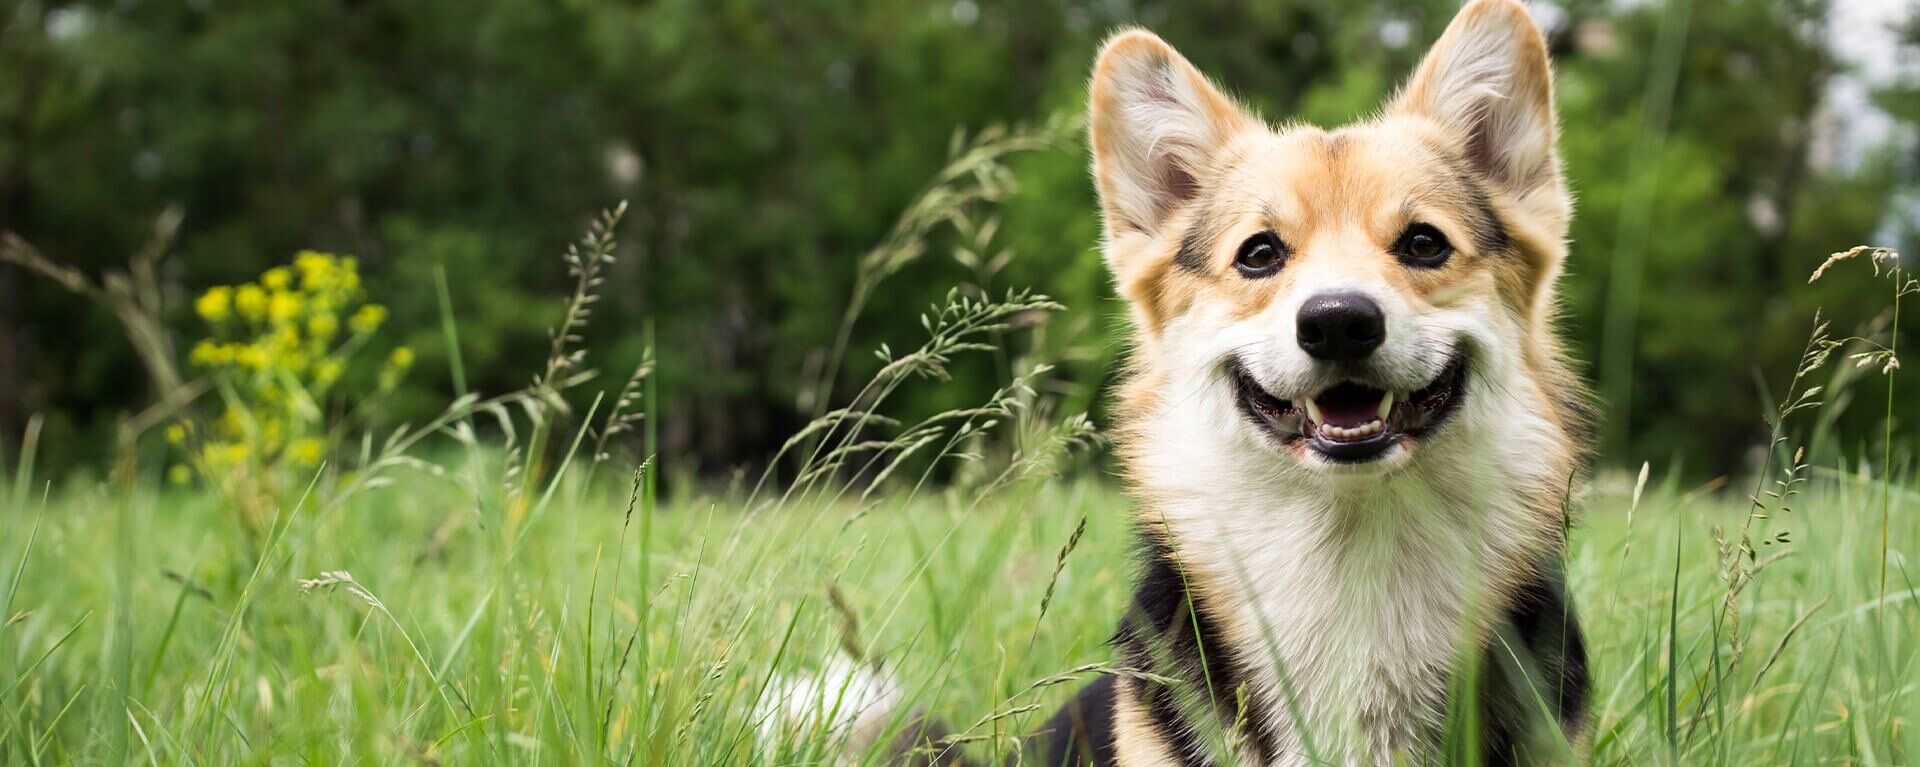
(1344, 297)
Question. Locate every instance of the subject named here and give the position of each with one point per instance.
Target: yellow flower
(215, 304)
(277, 278)
(250, 301)
(285, 339)
(226, 453)
(323, 301)
(284, 307)
(176, 434)
(323, 324)
(368, 319)
(306, 451)
(326, 372)
(252, 356)
(397, 364)
(180, 474)
(317, 270)
(205, 353)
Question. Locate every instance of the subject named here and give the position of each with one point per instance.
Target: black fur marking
(921, 743)
(1490, 235)
(1197, 242)
(1335, 145)
(1577, 415)
(1192, 255)
(1537, 656)
(1081, 733)
(1170, 632)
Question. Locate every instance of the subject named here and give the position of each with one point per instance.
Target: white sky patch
(1852, 130)
(1864, 34)
(63, 24)
(1396, 33)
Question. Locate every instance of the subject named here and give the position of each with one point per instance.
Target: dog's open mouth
(1352, 422)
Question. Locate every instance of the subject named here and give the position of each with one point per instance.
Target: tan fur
(1137, 744)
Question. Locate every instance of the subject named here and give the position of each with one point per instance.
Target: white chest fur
(1348, 599)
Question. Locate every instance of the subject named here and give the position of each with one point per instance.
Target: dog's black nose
(1340, 326)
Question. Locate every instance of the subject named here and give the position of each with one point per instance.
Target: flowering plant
(276, 349)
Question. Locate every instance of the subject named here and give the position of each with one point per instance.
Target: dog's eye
(1423, 246)
(1261, 255)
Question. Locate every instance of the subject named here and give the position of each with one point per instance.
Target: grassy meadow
(581, 623)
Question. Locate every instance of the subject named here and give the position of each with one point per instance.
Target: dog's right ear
(1155, 124)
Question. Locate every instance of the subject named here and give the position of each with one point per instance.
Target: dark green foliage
(765, 146)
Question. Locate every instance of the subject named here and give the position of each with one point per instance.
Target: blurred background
(1719, 149)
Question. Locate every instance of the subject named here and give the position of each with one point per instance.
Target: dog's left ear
(1488, 82)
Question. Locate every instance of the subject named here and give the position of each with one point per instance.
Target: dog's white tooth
(1386, 405)
(1313, 413)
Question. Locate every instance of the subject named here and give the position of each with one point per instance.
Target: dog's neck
(1353, 593)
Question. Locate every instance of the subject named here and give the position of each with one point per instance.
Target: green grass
(144, 629)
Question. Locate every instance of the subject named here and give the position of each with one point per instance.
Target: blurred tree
(1737, 212)
(1901, 100)
(764, 146)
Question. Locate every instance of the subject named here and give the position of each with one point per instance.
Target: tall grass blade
(23, 471)
(450, 329)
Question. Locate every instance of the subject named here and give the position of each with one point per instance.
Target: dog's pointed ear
(1488, 81)
(1155, 124)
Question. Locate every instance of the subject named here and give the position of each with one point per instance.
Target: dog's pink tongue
(1349, 405)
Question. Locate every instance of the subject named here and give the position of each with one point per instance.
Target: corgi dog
(1349, 428)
